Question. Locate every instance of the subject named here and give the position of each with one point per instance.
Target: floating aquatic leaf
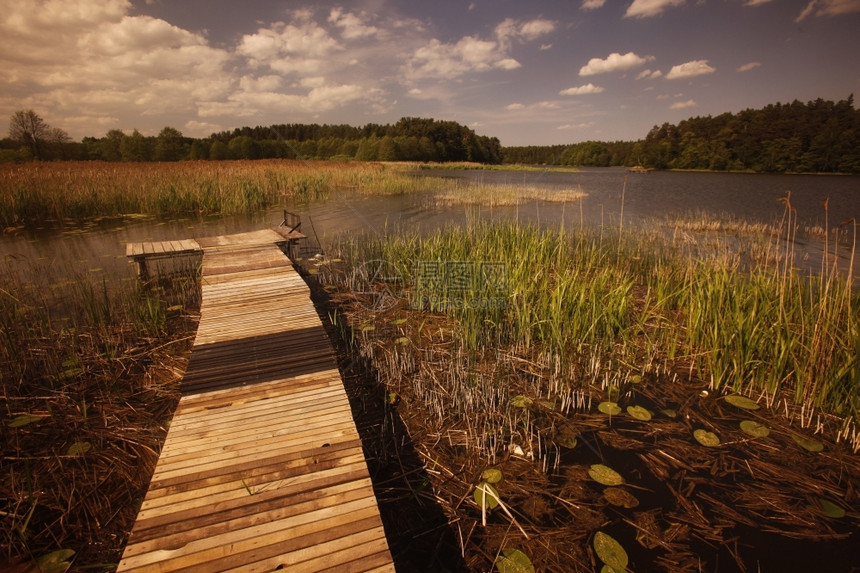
(330, 288)
(620, 497)
(605, 475)
(706, 438)
(398, 321)
(490, 499)
(520, 401)
(56, 562)
(830, 509)
(741, 402)
(514, 561)
(367, 328)
(392, 397)
(754, 429)
(610, 408)
(636, 379)
(492, 475)
(174, 308)
(313, 271)
(402, 341)
(639, 413)
(808, 443)
(669, 413)
(610, 551)
(566, 438)
(78, 449)
(24, 419)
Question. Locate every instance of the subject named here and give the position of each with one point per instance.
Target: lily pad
(706, 438)
(402, 341)
(830, 509)
(669, 413)
(754, 429)
(610, 551)
(492, 475)
(567, 439)
(24, 419)
(520, 401)
(808, 443)
(605, 475)
(741, 402)
(78, 449)
(514, 561)
(486, 495)
(639, 413)
(367, 328)
(620, 497)
(397, 321)
(636, 379)
(55, 562)
(609, 408)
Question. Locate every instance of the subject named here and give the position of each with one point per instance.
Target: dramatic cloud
(749, 66)
(690, 70)
(615, 62)
(582, 90)
(592, 4)
(683, 104)
(648, 8)
(829, 8)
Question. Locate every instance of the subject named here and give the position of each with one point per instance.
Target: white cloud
(829, 8)
(582, 90)
(353, 26)
(749, 66)
(615, 62)
(592, 4)
(649, 74)
(648, 8)
(575, 126)
(514, 106)
(689, 70)
(683, 104)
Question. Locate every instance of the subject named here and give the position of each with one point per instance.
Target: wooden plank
(262, 467)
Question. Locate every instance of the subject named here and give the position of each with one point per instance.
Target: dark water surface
(646, 197)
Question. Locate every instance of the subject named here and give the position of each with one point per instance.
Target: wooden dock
(262, 468)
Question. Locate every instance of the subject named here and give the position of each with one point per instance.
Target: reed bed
(51, 193)
(90, 367)
(504, 366)
(506, 195)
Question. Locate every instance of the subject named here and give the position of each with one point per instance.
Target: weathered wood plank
(262, 466)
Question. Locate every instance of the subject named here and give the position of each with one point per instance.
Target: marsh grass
(54, 193)
(96, 361)
(584, 314)
(477, 193)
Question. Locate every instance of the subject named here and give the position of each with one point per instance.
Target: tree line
(817, 136)
(410, 139)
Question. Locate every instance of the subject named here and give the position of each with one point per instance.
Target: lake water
(646, 197)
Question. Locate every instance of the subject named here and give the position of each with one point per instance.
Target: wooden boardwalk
(262, 468)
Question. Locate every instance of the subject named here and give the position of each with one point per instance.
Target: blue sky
(529, 73)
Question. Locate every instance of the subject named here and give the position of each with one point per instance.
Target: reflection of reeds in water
(583, 314)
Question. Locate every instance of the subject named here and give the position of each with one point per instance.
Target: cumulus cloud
(649, 8)
(690, 69)
(829, 8)
(582, 90)
(438, 59)
(615, 62)
(683, 104)
(515, 106)
(575, 126)
(592, 4)
(749, 66)
(352, 26)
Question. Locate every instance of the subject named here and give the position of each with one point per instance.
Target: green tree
(135, 147)
(170, 145)
(219, 151)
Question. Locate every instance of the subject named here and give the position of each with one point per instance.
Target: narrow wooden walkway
(262, 468)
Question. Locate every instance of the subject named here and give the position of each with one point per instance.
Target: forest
(815, 137)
